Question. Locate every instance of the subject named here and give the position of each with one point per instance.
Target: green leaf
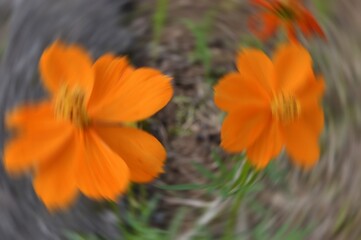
(149, 208)
(159, 19)
(204, 171)
(176, 224)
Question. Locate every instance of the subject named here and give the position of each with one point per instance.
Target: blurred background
(196, 43)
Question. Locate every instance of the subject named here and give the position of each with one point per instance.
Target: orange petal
(141, 95)
(38, 138)
(143, 153)
(311, 93)
(291, 32)
(314, 118)
(30, 116)
(254, 64)
(305, 29)
(267, 146)
(102, 174)
(66, 64)
(301, 143)
(240, 129)
(55, 181)
(263, 25)
(308, 25)
(235, 91)
(292, 64)
(110, 74)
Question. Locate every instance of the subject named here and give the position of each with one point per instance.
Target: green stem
(232, 221)
(133, 203)
(242, 181)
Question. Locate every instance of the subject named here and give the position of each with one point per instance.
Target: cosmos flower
(286, 13)
(79, 140)
(272, 104)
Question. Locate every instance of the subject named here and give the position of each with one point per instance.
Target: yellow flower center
(285, 107)
(70, 105)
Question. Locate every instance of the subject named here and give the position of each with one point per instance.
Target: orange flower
(271, 105)
(77, 140)
(286, 13)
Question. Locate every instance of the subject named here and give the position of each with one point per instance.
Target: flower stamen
(70, 105)
(285, 107)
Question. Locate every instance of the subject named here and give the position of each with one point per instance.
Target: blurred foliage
(324, 7)
(286, 232)
(201, 31)
(251, 41)
(159, 20)
(233, 180)
(184, 115)
(228, 179)
(263, 230)
(136, 222)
